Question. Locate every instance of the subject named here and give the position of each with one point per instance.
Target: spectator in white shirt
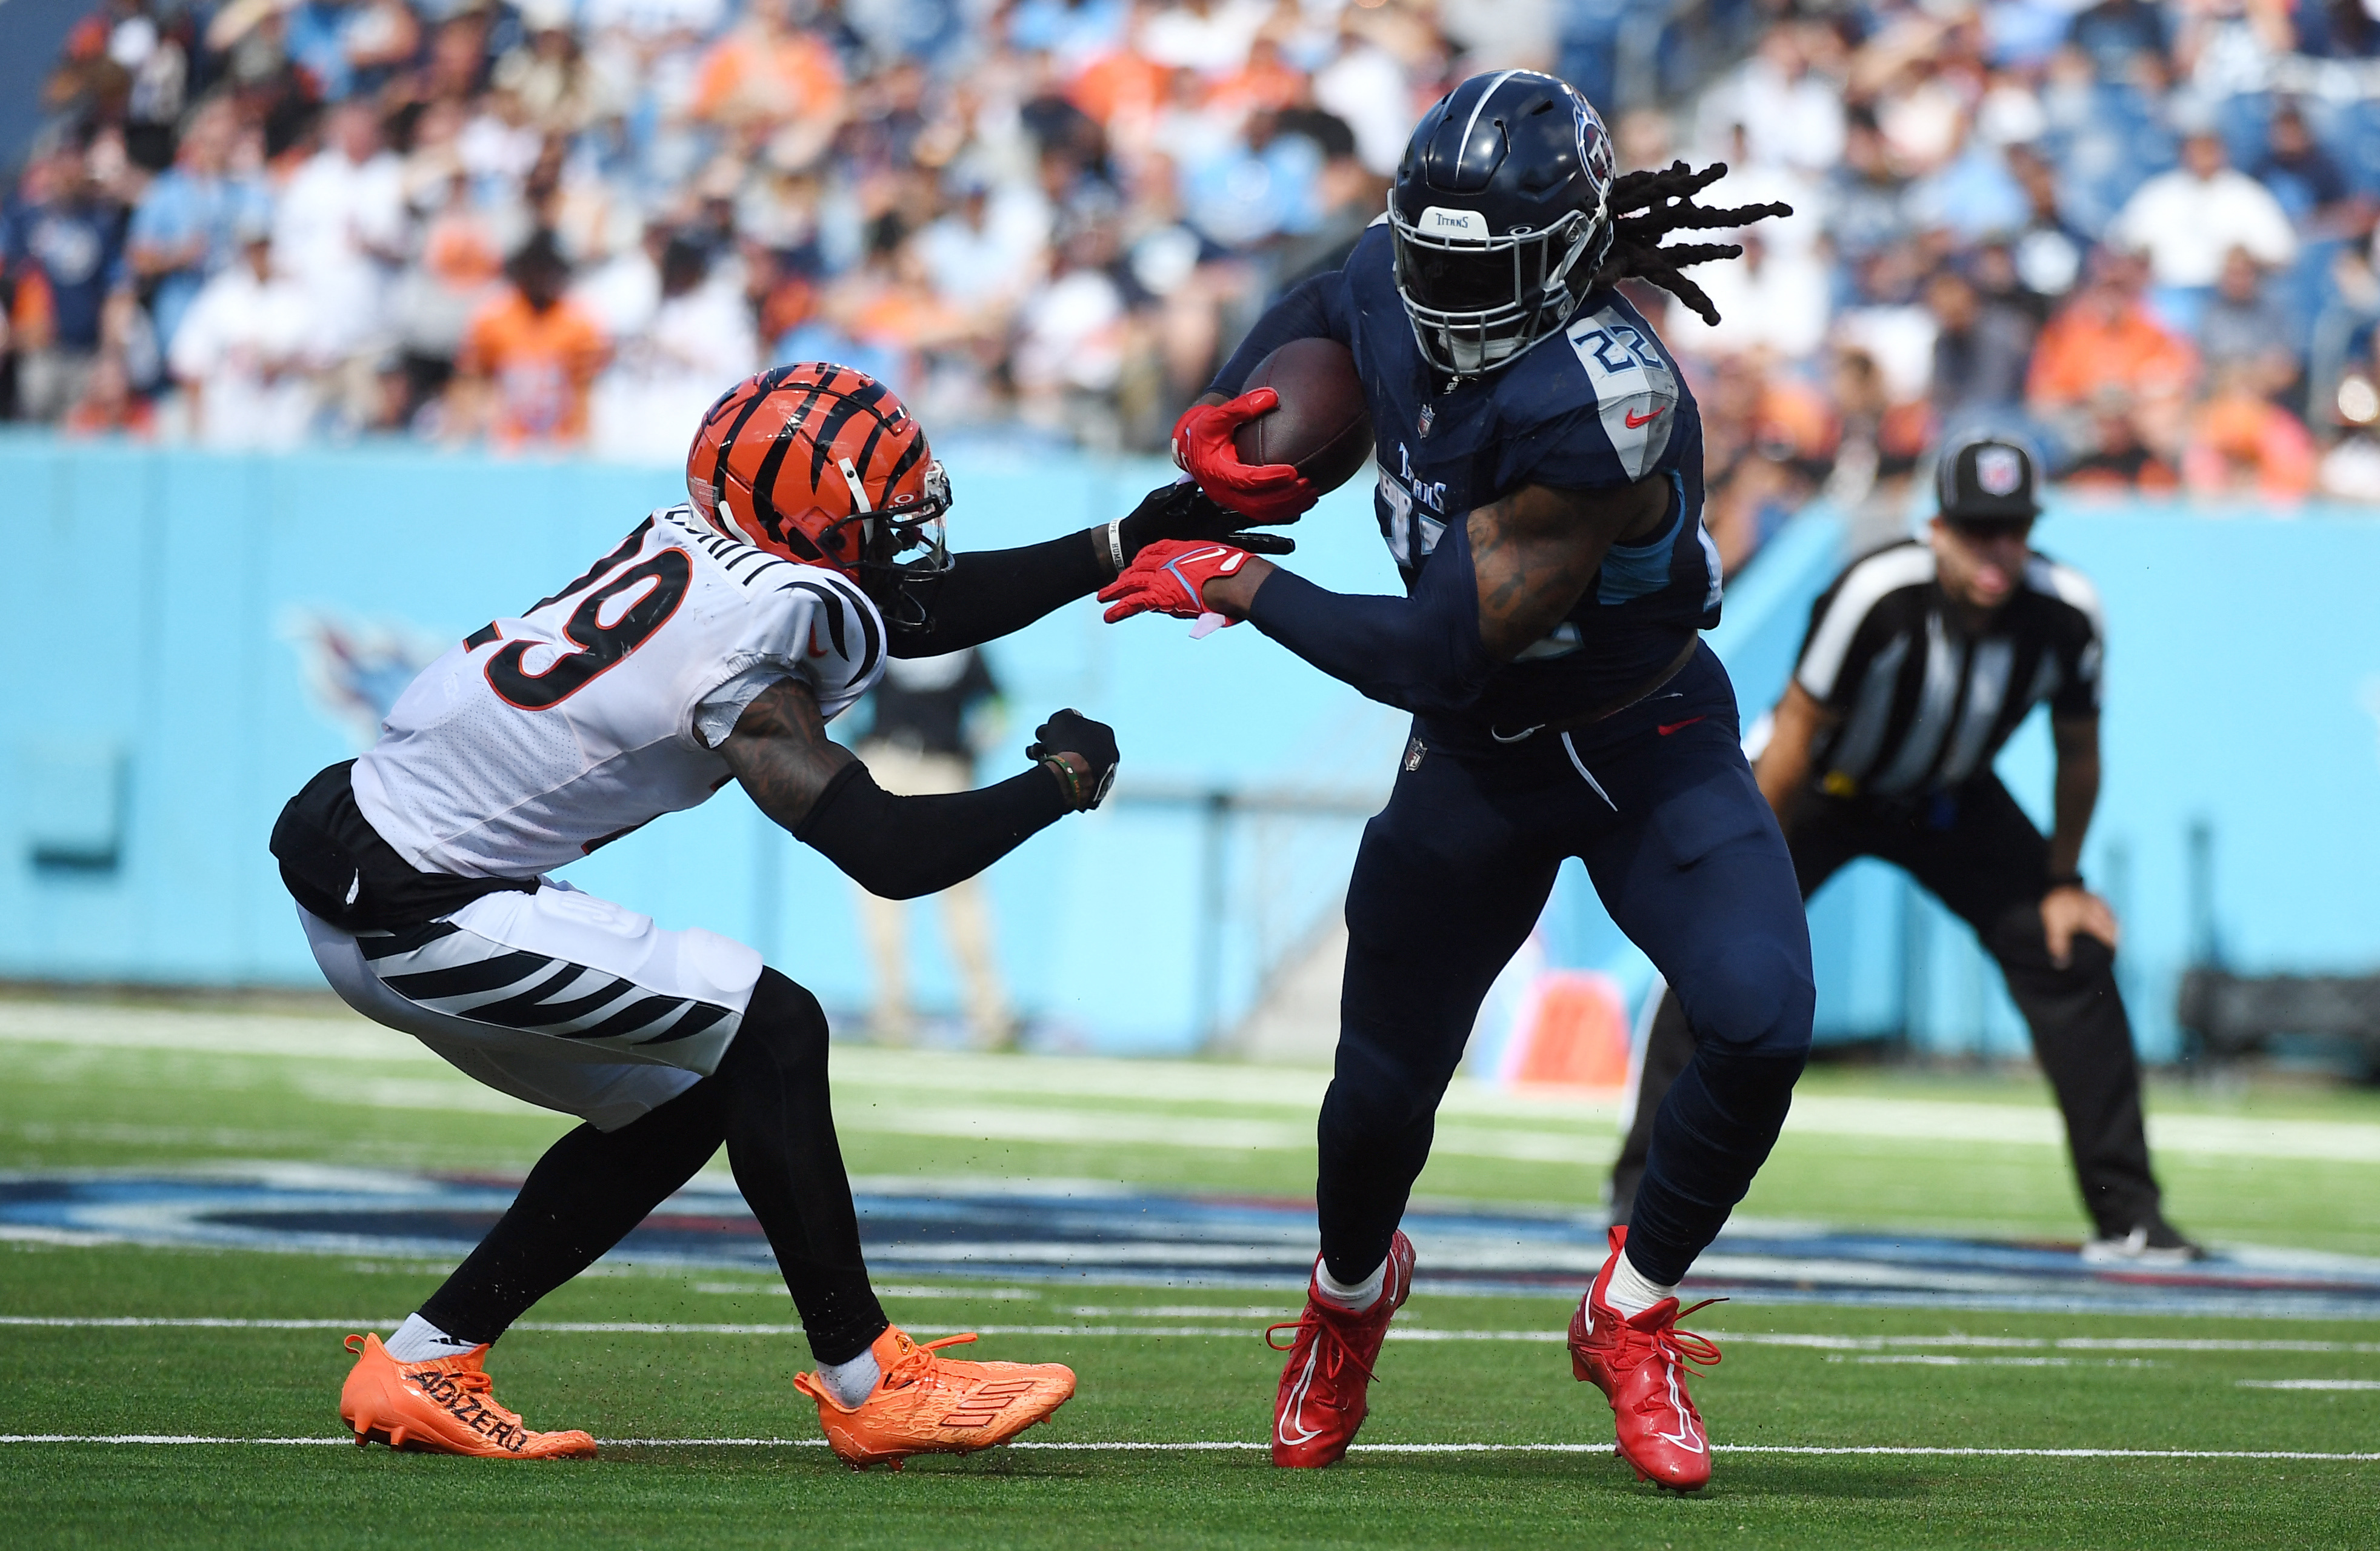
(1800, 112)
(2187, 221)
(698, 343)
(339, 230)
(986, 254)
(240, 354)
(1772, 299)
(1210, 36)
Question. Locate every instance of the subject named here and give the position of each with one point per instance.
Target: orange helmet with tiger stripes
(825, 466)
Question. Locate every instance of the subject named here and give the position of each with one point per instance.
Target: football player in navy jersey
(1540, 488)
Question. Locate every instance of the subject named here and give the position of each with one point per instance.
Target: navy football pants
(1659, 803)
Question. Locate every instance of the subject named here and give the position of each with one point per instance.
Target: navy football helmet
(1501, 215)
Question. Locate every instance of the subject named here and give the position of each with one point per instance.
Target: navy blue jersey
(1600, 407)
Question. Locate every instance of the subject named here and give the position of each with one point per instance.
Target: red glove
(1166, 578)
(1267, 493)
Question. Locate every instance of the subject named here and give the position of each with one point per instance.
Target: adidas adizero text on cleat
(926, 1403)
(1640, 1364)
(440, 1406)
(1323, 1387)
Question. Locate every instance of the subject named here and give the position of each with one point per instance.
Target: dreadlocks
(1647, 207)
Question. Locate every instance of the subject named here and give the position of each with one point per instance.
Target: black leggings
(1978, 853)
(767, 1101)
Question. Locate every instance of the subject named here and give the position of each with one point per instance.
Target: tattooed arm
(896, 847)
(781, 754)
(1495, 585)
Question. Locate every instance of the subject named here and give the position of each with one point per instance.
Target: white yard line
(1222, 1445)
(1933, 1360)
(2309, 1383)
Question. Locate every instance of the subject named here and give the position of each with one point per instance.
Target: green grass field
(85, 1088)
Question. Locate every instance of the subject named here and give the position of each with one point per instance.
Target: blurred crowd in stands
(2140, 232)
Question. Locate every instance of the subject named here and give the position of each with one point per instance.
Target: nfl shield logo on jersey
(1427, 417)
(1999, 470)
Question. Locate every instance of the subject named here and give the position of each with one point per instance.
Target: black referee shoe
(2155, 1242)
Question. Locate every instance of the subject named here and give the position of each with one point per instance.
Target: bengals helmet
(825, 466)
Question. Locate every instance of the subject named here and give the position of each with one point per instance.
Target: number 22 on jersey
(600, 647)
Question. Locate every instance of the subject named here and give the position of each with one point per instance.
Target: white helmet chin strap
(727, 515)
(859, 502)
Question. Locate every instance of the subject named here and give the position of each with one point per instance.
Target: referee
(1921, 660)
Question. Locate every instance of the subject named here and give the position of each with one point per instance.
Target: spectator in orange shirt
(767, 74)
(2114, 457)
(2106, 338)
(530, 355)
(2242, 441)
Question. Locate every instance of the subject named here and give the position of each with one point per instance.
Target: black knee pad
(782, 1024)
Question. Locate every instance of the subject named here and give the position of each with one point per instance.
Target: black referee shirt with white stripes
(1925, 705)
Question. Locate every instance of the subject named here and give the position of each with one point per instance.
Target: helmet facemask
(1478, 302)
(902, 589)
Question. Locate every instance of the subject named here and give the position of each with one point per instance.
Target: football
(1320, 424)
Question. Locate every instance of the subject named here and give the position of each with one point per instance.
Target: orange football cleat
(926, 1403)
(1640, 1365)
(442, 1406)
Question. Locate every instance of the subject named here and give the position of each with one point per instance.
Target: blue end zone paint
(1111, 1237)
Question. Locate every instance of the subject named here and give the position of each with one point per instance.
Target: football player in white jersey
(713, 644)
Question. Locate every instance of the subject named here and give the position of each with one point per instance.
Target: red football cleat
(1321, 1401)
(1640, 1365)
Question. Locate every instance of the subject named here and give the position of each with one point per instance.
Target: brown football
(1320, 424)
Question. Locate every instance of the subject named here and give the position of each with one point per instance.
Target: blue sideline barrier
(194, 634)
(2241, 753)
(171, 671)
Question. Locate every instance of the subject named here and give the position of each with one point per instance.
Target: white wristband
(1116, 544)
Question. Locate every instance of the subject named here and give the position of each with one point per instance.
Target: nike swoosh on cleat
(1666, 728)
(1297, 1408)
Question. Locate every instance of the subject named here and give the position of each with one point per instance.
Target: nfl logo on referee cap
(1986, 479)
(1999, 470)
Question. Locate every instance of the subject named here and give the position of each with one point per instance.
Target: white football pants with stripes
(558, 997)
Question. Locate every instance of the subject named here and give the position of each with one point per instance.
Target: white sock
(418, 1340)
(1630, 1293)
(1355, 1297)
(851, 1383)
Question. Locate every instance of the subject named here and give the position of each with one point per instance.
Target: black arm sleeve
(899, 848)
(1421, 653)
(990, 593)
(1303, 312)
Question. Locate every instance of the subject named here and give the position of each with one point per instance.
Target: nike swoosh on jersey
(1666, 728)
(1634, 420)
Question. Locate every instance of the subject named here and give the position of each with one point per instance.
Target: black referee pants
(1982, 858)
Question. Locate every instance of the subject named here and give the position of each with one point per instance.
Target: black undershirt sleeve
(899, 848)
(1421, 653)
(992, 593)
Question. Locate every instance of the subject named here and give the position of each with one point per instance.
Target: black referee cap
(1982, 477)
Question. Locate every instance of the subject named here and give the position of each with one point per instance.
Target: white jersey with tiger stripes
(537, 739)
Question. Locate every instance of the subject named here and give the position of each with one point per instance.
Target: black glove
(1183, 511)
(1070, 732)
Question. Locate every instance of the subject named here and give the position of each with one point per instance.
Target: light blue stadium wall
(153, 690)
(151, 672)
(2242, 695)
